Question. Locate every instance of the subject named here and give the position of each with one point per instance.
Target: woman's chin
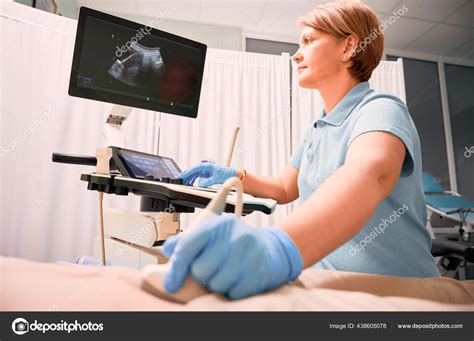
(304, 82)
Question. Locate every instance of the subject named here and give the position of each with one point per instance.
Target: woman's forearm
(263, 187)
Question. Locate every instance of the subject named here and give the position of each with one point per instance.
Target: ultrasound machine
(136, 66)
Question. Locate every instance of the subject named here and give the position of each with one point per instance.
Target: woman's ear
(350, 47)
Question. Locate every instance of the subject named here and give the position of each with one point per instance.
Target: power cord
(102, 234)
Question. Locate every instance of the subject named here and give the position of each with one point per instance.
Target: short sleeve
(388, 115)
(297, 156)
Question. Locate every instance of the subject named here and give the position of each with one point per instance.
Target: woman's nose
(297, 57)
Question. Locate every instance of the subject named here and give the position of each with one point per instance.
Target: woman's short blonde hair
(341, 19)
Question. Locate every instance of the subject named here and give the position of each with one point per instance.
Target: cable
(102, 234)
(103, 156)
(231, 147)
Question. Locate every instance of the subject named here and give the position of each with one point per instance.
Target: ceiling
(437, 27)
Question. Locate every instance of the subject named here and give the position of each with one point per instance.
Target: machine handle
(74, 159)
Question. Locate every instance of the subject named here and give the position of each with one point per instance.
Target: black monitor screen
(119, 61)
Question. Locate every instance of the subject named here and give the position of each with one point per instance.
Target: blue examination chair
(450, 209)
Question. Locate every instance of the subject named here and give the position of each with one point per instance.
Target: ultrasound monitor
(123, 62)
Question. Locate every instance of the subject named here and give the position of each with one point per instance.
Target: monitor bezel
(104, 96)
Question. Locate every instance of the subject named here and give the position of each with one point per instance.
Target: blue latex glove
(228, 256)
(209, 174)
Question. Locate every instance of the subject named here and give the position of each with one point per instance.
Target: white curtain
(47, 213)
(241, 89)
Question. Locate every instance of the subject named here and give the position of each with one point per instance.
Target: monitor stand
(130, 238)
(112, 129)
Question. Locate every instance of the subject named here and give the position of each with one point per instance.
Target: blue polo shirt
(395, 241)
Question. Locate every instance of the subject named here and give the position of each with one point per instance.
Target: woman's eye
(307, 40)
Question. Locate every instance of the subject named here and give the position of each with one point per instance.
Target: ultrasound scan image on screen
(137, 66)
(140, 67)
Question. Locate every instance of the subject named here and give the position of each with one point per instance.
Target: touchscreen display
(140, 165)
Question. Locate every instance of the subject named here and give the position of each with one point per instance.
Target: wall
(229, 38)
(66, 8)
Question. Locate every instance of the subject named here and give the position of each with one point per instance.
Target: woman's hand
(234, 259)
(209, 174)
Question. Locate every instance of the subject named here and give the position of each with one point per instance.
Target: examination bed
(33, 286)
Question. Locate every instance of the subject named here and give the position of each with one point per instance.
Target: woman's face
(319, 58)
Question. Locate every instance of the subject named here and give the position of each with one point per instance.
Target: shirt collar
(345, 106)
